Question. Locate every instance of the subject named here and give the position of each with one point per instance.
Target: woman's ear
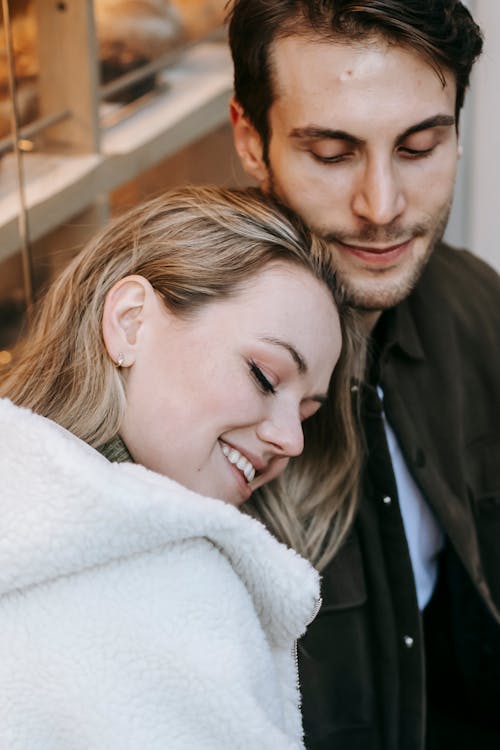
(248, 144)
(124, 315)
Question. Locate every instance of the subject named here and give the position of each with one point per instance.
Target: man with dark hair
(348, 111)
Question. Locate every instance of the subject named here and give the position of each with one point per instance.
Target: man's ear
(125, 310)
(248, 144)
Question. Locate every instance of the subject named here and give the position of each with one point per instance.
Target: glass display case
(101, 104)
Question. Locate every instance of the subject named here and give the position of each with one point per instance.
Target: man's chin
(378, 294)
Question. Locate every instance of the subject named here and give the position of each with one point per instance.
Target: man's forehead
(337, 85)
(300, 58)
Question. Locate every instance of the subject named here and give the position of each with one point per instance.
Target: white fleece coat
(135, 613)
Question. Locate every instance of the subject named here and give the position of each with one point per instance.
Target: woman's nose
(283, 431)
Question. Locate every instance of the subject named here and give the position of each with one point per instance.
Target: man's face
(363, 146)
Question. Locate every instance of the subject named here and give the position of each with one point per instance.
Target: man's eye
(414, 153)
(264, 384)
(330, 159)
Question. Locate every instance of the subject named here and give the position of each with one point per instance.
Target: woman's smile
(272, 349)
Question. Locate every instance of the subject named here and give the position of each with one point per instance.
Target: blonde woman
(164, 381)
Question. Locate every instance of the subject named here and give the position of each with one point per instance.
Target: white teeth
(241, 463)
(249, 472)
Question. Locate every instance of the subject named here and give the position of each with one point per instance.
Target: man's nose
(282, 431)
(378, 194)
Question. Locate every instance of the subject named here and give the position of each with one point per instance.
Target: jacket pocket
(483, 481)
(335, 660)
(343, 585)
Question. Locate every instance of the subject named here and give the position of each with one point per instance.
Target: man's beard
(379, 292)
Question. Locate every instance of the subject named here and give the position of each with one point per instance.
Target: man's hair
(194, 245)
(441, 31)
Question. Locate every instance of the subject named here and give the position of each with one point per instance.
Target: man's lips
(378, 256)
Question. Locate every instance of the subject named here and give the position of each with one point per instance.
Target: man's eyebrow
(299, 360)
(314, 132)
(438, 121)
(318, 133)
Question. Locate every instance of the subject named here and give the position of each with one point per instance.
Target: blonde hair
(193, 245)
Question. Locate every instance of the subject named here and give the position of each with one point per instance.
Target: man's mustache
(373, 235)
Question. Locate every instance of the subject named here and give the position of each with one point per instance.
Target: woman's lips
(242, 473)
(244, 488)
(238, 459)
(377, 256)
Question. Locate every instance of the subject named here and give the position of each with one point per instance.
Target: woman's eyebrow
(298, 358)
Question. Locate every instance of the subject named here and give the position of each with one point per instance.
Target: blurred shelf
(57, 188)
(192, 102)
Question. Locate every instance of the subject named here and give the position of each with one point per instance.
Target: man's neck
(369, 319)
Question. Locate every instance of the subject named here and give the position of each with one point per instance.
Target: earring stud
(120, 360)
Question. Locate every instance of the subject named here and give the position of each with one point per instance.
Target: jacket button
(408, 641)
(387, 500)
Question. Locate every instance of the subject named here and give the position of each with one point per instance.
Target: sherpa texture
(135, 613)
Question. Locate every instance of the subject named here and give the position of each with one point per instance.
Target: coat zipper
(295, 649)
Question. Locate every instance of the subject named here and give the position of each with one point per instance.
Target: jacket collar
(396, 328)
(116, 451)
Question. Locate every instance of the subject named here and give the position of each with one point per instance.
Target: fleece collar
(65, 508)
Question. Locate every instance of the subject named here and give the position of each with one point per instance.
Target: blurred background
(475, 219)
(105, 103)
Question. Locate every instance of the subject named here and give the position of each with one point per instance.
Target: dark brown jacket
(363, 665)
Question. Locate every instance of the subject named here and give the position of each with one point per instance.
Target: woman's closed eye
(262, 381)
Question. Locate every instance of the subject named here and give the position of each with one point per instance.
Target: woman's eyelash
(261, 379)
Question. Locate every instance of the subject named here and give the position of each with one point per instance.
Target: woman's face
(217, 402)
